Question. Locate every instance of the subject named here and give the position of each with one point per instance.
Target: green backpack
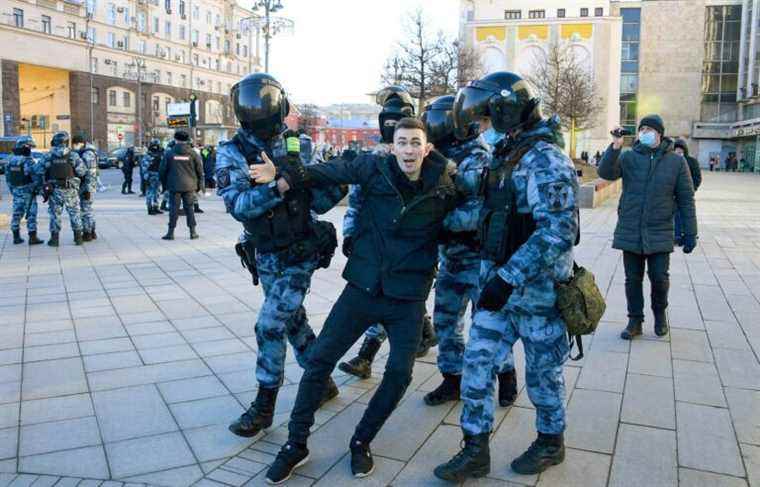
(581, 304)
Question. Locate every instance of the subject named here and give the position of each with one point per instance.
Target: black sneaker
(291, 457)
(362, 463)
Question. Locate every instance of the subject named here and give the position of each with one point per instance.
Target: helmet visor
(470, 105)
(438, 125)
(257, 101)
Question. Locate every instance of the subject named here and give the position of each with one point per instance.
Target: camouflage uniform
(285, 287)
(88, 184)
(153, 182)
(546, 187)
(67, 196)
(24, 196)
(457, 283)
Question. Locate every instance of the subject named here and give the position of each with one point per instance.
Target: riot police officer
(396, 104)
(279, 236)
(19, 174)
(88, 185)
(62, 169)
(528, 228)
(459, 257)
(150, 164)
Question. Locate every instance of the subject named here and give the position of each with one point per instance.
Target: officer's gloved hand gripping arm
(552, 201)
(244, 198)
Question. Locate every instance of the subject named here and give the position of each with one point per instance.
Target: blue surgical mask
(649, 139)
(492, 137)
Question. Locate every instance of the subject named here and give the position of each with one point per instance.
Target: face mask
(492, 137)
(648, 138)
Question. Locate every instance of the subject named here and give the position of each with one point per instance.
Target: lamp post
(90, 46)
(139, 65)
(268, 24)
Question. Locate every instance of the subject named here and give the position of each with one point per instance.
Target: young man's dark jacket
(655, 181)
(694, 169)
(395, 247)
(181, 169)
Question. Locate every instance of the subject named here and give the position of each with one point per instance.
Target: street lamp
(90, 45)
(139, 65)
(271, 26)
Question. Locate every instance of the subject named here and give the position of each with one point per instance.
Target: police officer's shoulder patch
(223, 177)
(558, 196)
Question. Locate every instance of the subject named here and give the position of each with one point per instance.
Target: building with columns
(108, 68)
(695, 62)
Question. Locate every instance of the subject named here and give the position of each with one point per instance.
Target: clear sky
(339, 47)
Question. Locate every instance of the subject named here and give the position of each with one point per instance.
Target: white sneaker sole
(367, 474)
(299, 464)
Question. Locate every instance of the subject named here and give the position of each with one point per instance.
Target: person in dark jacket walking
(127, 169)
(389, 272)
(656, 182)
(181, 173)
(680, 148)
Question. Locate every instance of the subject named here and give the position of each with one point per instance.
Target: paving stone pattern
(123, 361)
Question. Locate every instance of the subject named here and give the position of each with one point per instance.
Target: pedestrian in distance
(181, 173)
(656, 183)
(128, 169)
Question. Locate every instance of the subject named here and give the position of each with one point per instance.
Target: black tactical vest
(155, 161)
(61, 169)
(502, 229)
(286, 224)
(17, 176)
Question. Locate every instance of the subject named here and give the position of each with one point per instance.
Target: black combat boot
(331, 391)
(258, 416)
(193, 233)
(124, 187)
(197, 208)
(33, 240)
(53, 242)
(169, 234)
(473, 460)
(545, 451)
(86, 236)
(507, 388)
(129, 188)
(78, 238)
(361, 365)
(661, 326)
(151, 211)
(17, 237)
(447, 391)
(429, 339)
(632, 330)
(163, 205)
(157, 211)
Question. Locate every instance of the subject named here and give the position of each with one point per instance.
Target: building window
(208, 17)
(142, 46)
(629, 67)
(226, 46)
(208, 41)
(561, 13)
(127, 98)
(18, 17)
(536, 14)
(111, 98)
(512, 14)
(90, 6)
(194, 37)
(195, 59)
(245, 51)
(584, 12)
(183, 80)
(94, 65)
(155, 25)
(71, 30)
(168, 29)
(111, 39)
(46, 24)
(196, 12)
(720, 70)
(141, 21)
(182, 8)
(91, 35)
(169, 80)
(182, 32)
(95, 96)
(168, 6)
(111, 14)
(599, 11)
(156, 101)
(218, 43)
(126, 15)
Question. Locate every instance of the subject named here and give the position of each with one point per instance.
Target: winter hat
(653, 121)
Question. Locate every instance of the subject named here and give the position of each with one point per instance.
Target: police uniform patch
(223, 178)
(558, 196)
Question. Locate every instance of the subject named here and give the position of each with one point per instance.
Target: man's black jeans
(657, 266)
(351, 315)
(187, 199)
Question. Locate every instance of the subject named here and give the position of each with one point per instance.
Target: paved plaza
(123, 361)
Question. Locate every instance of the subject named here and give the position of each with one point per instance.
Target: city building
(695, 62)
(107, 69)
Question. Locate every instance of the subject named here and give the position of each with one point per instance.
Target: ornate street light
(268, 24)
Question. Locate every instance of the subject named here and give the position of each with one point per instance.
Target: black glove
(348, 245)
(689, 243)
(495, 294)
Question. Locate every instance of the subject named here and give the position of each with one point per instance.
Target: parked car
(116, 157)
(104, 162)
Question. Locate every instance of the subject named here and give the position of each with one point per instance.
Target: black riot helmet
(507, 99)
(60, 139)
(260, 104)
(24, 146)
(154, 146)
(439, 123)
(397, 103)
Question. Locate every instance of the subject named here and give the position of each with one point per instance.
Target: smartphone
(620, 132)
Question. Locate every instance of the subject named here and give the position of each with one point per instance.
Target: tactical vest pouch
(493, 233)
(581, 305)
(61, 170)
(321, 243)
(16, 176)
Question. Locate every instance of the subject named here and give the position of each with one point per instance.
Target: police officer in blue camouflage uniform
(88, 185)
(63, 169)
(457, 284)
(396, 104)
(278, 231)
(19, 174)
(149, 165)
(529, 225)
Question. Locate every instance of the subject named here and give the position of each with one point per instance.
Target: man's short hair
(410, 123)
(181, 136)
(77, 139)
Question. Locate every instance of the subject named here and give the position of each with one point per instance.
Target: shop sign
(747, 131)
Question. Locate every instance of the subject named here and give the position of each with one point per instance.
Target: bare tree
(454, 67)
(308, 118)
(567, 88)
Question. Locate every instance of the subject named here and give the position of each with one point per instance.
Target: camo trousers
(24, 202)
(64, 198)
